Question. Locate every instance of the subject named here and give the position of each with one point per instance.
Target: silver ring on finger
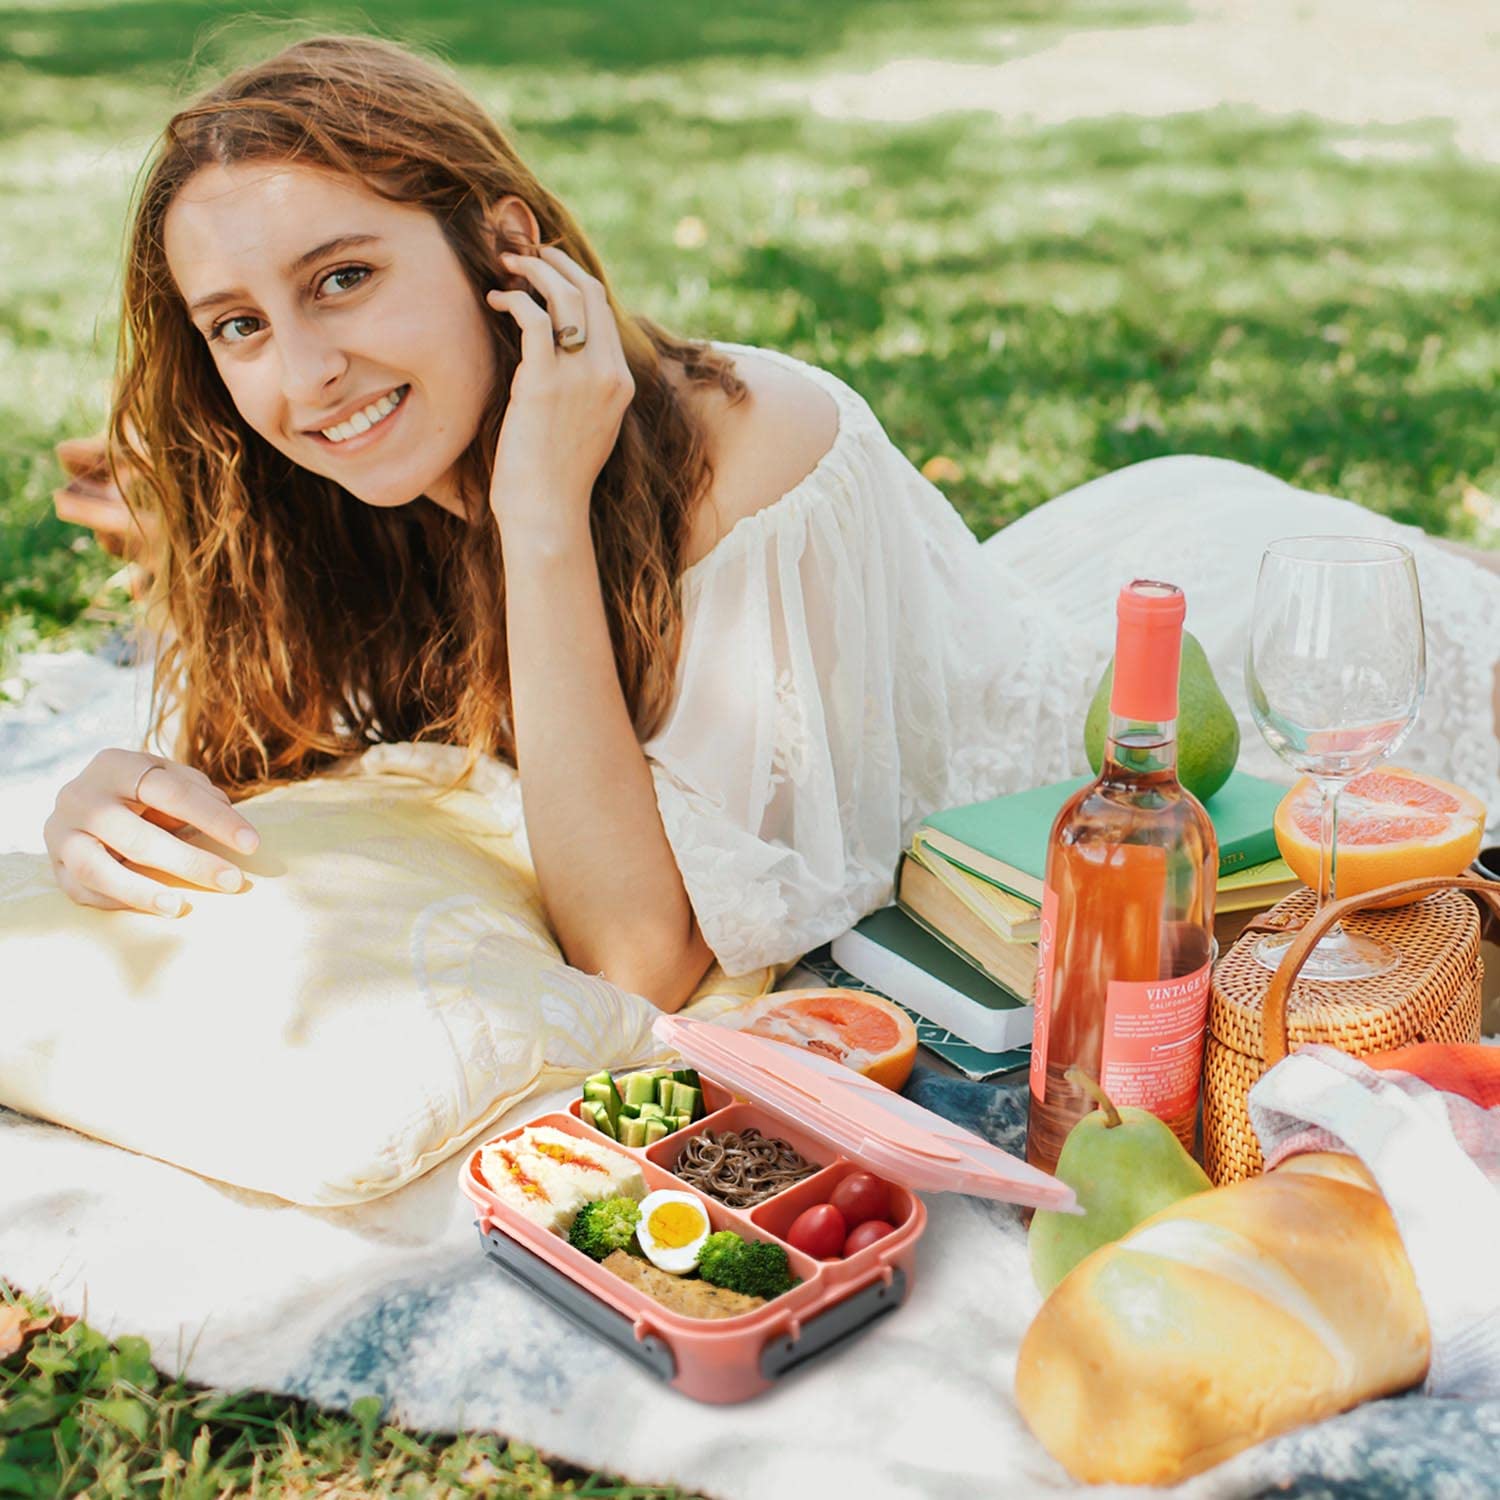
(570, 338)
(157, 764)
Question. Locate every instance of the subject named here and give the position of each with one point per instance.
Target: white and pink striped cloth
(1425, 1121)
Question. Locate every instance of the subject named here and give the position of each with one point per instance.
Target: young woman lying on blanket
(415, 476)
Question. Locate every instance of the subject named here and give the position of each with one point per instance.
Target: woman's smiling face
(343, 325)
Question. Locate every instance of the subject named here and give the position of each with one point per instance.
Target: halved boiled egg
(672, 1229)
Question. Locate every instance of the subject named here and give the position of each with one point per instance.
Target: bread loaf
(1233, 1315)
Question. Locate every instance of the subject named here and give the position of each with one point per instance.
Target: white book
(892, 953)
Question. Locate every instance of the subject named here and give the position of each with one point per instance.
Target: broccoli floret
(720, 1248)
(756, 1268)
(605, 1225)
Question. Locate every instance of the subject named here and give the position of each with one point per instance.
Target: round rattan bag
(1255, 1017)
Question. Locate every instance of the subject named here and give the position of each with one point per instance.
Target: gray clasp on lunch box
(825, 1329)
(814, 1336)
(577, 1303)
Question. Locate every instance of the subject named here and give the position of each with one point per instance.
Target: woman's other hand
(569, 395)
(90, 498)
(122, 814)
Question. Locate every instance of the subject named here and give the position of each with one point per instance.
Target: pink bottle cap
(1148, 651)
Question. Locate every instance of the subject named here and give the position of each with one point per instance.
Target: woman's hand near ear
(609, 879)
(566, 403)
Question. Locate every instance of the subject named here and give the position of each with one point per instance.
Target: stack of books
(960, 945)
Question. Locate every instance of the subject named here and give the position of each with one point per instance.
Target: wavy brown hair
(272, 672)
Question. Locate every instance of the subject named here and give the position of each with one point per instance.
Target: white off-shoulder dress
(854, 659)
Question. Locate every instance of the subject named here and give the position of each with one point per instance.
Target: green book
(1004, 840)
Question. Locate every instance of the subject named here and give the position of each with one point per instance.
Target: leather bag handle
(1273, 1011)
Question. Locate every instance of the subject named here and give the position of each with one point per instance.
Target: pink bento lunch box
(833, 1117)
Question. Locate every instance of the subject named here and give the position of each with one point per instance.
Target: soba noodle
(740, 1168)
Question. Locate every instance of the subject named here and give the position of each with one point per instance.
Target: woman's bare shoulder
(760, 447)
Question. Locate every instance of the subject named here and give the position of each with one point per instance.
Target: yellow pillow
(385, 988)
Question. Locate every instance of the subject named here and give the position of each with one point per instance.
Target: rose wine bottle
(1127, 905)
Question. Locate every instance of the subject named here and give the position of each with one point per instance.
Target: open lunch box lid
(867, 1121)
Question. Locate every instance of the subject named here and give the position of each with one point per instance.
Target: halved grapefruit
(1393, 825)
(863, 1031)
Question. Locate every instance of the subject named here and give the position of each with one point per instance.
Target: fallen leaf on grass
(17, 1325)
(12, 1319)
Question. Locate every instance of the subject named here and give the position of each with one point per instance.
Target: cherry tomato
(819, 1231)
(866, 1234)
(861, 1196)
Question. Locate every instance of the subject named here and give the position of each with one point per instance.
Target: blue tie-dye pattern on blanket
(396, 1300)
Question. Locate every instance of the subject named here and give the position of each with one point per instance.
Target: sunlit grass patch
(1037, 306)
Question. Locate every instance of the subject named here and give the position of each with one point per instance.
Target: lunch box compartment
(494, 1211)
(741, 1117)
(715, 1098)
(776, 1215)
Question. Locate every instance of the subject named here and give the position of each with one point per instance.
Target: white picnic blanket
(394, 1298)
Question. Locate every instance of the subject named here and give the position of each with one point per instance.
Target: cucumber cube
(632, 1132)
(601, 1088)
(664, 1090)
(638, 1088)
(687, 1100)
(655, 1131)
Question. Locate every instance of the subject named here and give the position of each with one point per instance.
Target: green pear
(1208, 735)
(1123, 1165)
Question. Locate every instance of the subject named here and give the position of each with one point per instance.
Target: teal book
(1004, 840)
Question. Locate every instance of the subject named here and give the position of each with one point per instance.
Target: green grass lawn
(79, 1415)
(1024, 308)
(1033, 306)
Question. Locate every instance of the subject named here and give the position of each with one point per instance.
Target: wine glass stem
(1328, 858)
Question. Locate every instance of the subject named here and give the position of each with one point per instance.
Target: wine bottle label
(1153, 1042)
(1041, 1005)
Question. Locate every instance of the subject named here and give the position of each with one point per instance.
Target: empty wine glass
(1335, 669)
